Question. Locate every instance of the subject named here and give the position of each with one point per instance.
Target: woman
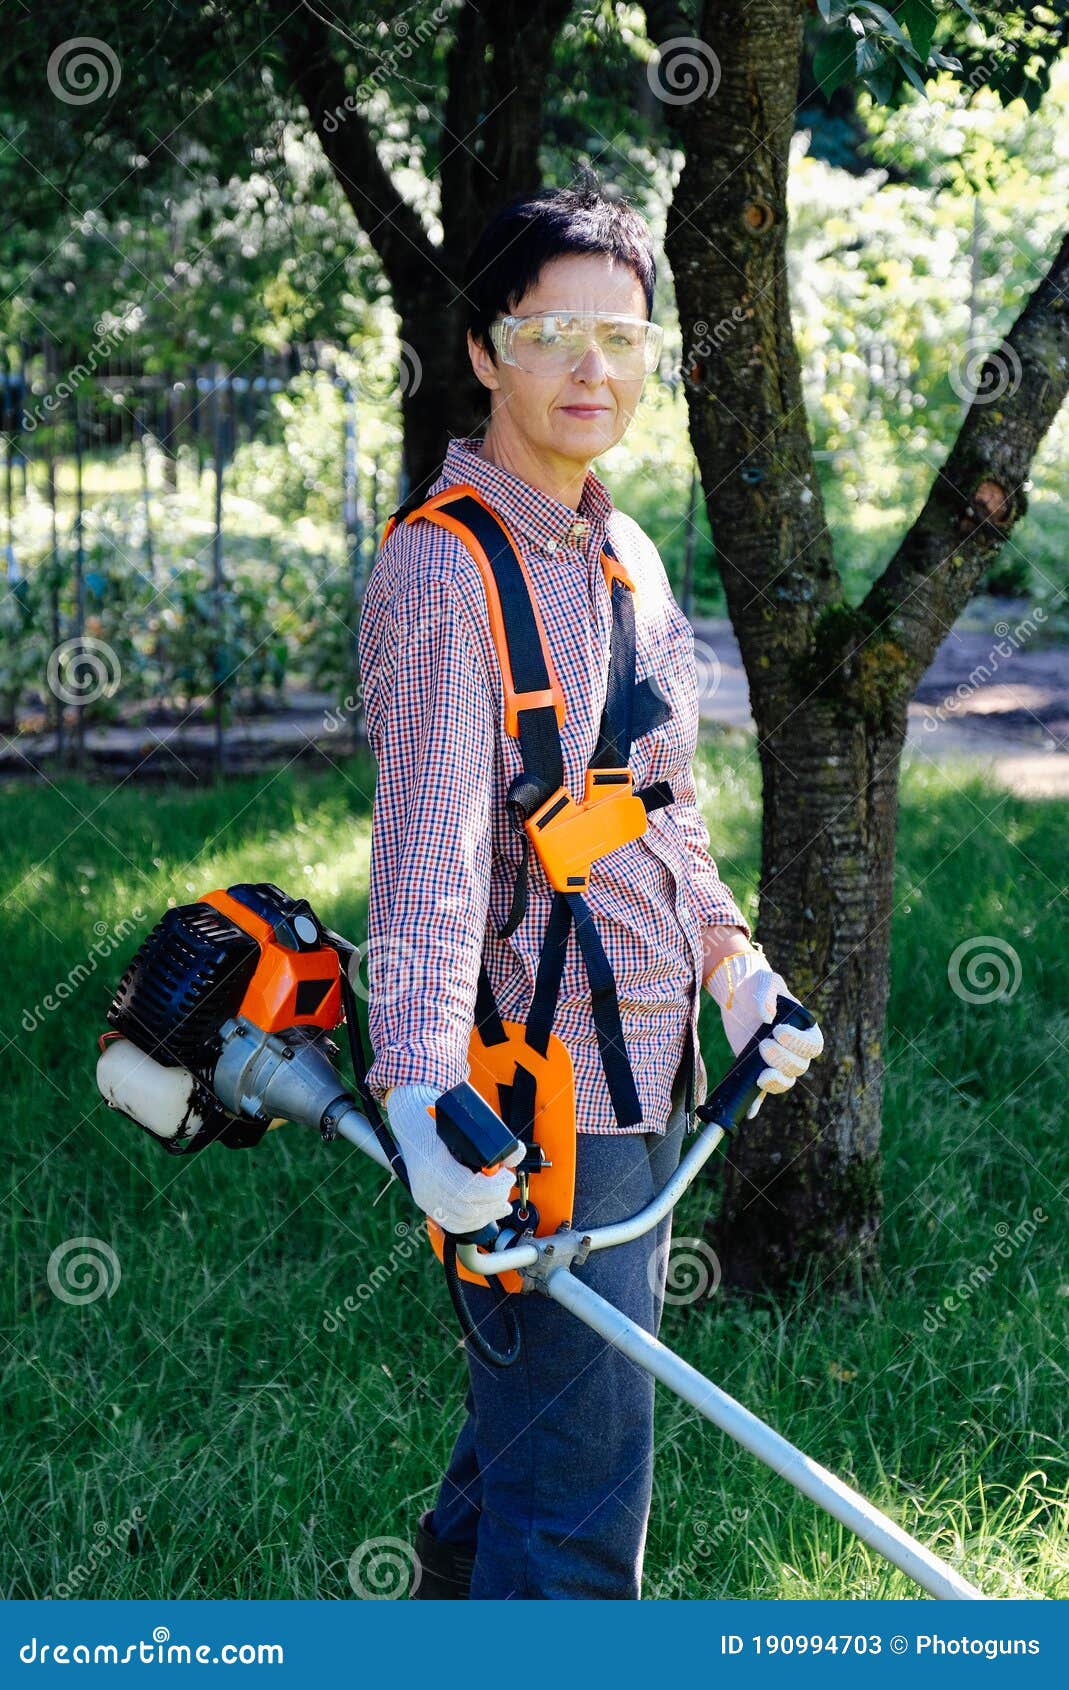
(548, 1490)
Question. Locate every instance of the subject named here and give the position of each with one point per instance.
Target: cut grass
(211, 1429)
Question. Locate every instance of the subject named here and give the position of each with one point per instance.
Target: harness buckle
(568, 837)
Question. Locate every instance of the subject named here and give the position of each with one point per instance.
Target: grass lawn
(209, 1430)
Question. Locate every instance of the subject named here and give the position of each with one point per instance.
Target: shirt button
(550, 547)
(684, 912)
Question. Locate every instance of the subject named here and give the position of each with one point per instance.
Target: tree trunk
(829, 682)
(803, 1180)
(809, 1189)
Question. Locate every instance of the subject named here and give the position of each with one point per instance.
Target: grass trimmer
(220, 1030)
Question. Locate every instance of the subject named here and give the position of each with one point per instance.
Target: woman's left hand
(746, 989)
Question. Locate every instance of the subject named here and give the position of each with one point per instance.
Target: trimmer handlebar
(729, 1103)
(723, 1111)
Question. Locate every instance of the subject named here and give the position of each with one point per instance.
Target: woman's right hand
(459, 1199)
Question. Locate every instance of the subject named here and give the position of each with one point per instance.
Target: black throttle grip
(729, 1102)
(485, 1237)
(477, 1137)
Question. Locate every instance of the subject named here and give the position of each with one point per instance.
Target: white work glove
(460, 1199)
(746, 989)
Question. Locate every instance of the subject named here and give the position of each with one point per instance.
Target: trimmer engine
(250, 965)
(220, 1030)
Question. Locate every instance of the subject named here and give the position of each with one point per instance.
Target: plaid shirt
(444, 854)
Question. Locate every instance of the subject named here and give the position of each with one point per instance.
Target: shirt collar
(541, 519)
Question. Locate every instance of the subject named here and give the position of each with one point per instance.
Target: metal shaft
(809, 1477)
(355, 1127)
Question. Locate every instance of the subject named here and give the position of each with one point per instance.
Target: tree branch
(394, 228)
(978, 494)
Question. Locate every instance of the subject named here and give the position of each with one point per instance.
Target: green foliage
(899, 283)
(898, 289)
(212, 269)
(889, 51)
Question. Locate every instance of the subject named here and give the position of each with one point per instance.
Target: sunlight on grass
(255, 1438)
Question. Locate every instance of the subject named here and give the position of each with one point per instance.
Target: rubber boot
(446, 1568)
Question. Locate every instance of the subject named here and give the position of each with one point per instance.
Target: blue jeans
(551, 1476)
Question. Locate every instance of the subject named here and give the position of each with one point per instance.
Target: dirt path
(990, 696)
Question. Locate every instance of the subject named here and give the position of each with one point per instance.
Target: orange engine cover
(288, 988)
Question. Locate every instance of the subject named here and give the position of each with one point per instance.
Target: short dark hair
(527, 233)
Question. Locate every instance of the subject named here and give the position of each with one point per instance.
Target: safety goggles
(553, 343)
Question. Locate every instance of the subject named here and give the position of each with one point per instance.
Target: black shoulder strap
(541, 776)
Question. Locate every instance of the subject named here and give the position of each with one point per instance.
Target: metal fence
(58, 418)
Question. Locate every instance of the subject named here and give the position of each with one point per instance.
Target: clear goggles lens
(553, 344)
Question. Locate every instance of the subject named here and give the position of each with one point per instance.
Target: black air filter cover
(188, 978)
